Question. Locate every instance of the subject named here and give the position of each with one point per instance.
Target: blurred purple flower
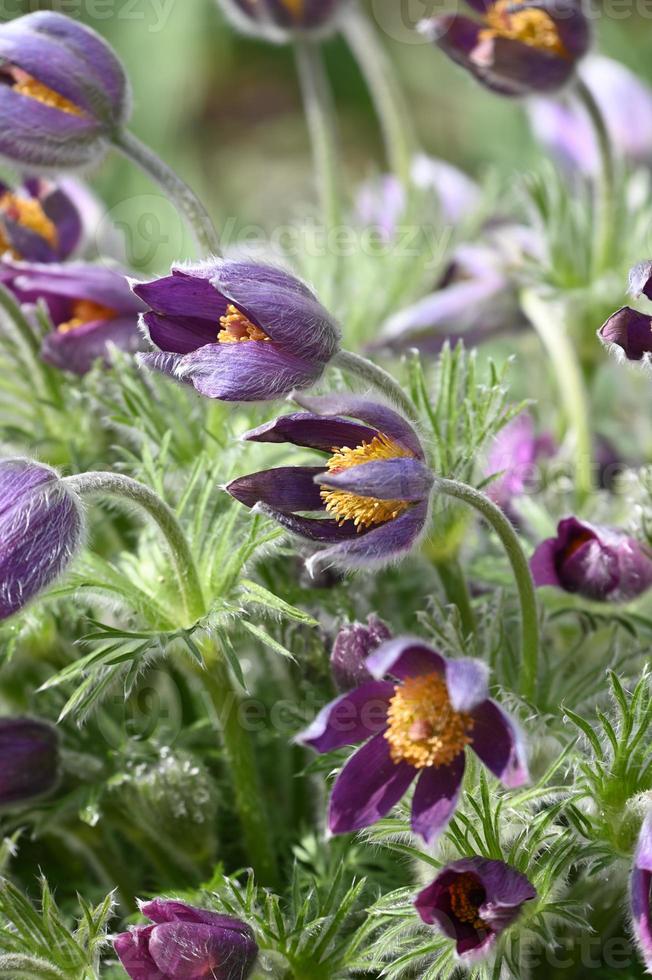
(627, 334)
(641, 892)
(516, 453)
(186, 942)
(282, 20)
(44, 221)
(473, 901)
(417, 725)
(29, 759)
(353, 644)
(595, 562)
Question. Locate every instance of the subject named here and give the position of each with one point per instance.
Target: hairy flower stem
(29, 343)
(196, 215)
(607, 187)
(371, 374)
(124, 488)
(387, 97)
(520, 567)
(455, 587)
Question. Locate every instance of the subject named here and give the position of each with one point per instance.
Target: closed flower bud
(41, 529)
(29, 759)
(353, 644)
(281, 20)
(63, 92)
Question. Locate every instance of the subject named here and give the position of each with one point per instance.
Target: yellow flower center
(236, 327)
(363, 511)
(28, 212)
(423, 728)
(85, 311)
(33, 89)
(536, 28)
(294, 7)
(466, 896)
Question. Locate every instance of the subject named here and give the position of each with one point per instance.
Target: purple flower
(41, 530)
(186, 942)
(641, 892)
(371, 494)
(237, 331)
(627, 333)
(63, 92)
(596, 562)
(41, 221)
(515, 48)
(473, 901)
(416, 725)
(353, 644)
(515, 453)
(281, 20)
(29, 759)
(91, 306)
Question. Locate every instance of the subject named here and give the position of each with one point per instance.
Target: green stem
(124, 488)
(548, 319)
(249, 800)
(520, 567)
(29, 342)
(455, 587)
(196, 215)
(385, 92)
(371, 374)
(607, 188)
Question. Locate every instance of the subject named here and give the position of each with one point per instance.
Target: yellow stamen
(28, 212)
(85, 311)
(466, 897)
(236, 327)
(33, 89)
(294, 7)
(533, 27)
(423, 728)
(363, 511)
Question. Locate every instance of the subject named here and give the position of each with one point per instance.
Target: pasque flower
(41, 529)
(63, 92)
(42, 221)
(353, 644)
(515, 453)
(628, 333)
(641, 892)
(186, 942)
(473, 901)
(29, 759)
(370, 493)
(596, 562)
(416, 718)
(237, 331)
(515, 48)
(280, 20)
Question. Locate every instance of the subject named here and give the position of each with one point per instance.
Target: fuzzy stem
(124, 488)
(520, 567)
(27, 339)
(196, 215)
(607, 187)
(371, 374)
(455, 587)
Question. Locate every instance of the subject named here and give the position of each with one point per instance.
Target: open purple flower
(63, 92)
(598, 563)
(237, 331)
(641, 892)
(353, 644)
(371, 492)
(417, 724)
(29, 759)
(90, 306)
(187, 943)
(281, 20)
(515, 454)
(473, 901)
(40, 220)
(515, 48)
(41, 530)
(628, 333)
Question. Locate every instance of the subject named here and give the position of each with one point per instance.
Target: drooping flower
(41, 530)
(63, 92)
(29, 759)
(417, 724)
(515, 454)
(641, 892)
(238, 331)
(515, 48)
(473, 901)
(91, 306)
(371, 492)
(282, 20)
(186, 942)
(598, 563)
(628, 333)
(353, 644)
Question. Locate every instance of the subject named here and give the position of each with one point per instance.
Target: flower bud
(280, 20)
(29, 759)
(353, 644)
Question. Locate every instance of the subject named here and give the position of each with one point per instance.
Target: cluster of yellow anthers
(363, 511)
(26, 85)
(27, 212)
(85, 311)
(463, 905)
(423, 727)
(530, 26)
(236, 327)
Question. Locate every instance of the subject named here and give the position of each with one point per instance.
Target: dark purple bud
(598, 563)
(281, 20)
(41, 530)
(628, 334)
(473, 901)
(641, 893)
(29, 759)
(353, 644)
(187, 943)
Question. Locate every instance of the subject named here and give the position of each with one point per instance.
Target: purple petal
(323, 432)
(640, 280)
(179, 336)
(467, 681)
(380, 416)
(628, 334)
(406, 656)
(368, 787)
(458, 195)
(435, 798)
(314, 529)
(351, 718)
(191, 950)
(61, 209)
(25, 242)
(498, 742)
(641, 892)
(80, 280)
(162, 910)
(286, 488)
(250, 371)
(543, 564)
(353, 644)
(182, 296)
(29, 759)
(133, 952)
(77, 350)
(388, 479)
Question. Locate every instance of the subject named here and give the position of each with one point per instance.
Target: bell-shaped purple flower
(515, 49)
(29, 759)
(599, 563)
(43, 221)
(41, 530)
(186, 943)
(237, 331)
(641, 893)
(473, 901)
(515, 455)
(627, 334)
(353, 644)
(63, 92)
(370, 494)
(282, 20)
(416, 719)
